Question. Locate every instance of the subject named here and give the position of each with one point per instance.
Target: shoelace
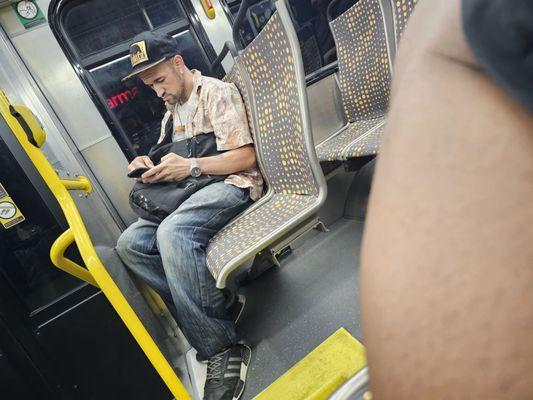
(215, 367)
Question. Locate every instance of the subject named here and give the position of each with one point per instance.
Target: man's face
(166, 81)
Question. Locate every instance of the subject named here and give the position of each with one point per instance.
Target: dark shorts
(500, 34)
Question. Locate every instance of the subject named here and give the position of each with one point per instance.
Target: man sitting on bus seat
(170, 256)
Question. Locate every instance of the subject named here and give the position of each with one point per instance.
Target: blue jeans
(170, 257)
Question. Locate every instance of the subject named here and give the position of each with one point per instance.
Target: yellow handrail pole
(57, 252)
(80, 183)
(117, 299)
(89, 256)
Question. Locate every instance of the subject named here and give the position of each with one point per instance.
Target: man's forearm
(229, 162)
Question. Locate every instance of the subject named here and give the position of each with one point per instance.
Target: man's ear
(177, 60)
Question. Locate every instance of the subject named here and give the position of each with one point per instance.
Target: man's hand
(172, 168)
(140, 162)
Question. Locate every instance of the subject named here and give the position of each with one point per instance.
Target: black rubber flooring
(292, 309)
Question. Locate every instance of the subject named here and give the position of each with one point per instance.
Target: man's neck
(188, 86)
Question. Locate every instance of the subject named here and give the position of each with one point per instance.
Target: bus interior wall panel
(98, 356)
(323, 109)
(12, 384)
(61, 86)
(20, 347)
(19, 376)
(115, 181)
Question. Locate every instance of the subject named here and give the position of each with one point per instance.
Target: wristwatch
(194, 168)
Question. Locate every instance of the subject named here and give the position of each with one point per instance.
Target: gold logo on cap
(138, 53)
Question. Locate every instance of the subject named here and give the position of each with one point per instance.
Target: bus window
(99, 42)
(90, 30)
(310, 21)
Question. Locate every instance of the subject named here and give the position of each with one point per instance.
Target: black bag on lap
(156, 201)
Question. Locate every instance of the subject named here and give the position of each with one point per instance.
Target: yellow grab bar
(95, 270)
(80, 183)
(57, 255)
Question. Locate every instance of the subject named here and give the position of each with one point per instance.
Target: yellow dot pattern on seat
(269, 66)
(402, 11)
(247, 230)
(269, 63)
(363, 60)
(366, 145)
(334, 149)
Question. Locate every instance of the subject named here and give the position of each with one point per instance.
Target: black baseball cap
(149, 49)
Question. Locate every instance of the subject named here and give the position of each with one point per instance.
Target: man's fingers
(154, 174)
(148, 162)
(150, 173)
(140, 162)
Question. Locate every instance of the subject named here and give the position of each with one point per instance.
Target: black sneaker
(235, 310)
(226, 373)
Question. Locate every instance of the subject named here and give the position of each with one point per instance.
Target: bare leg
(447, 264)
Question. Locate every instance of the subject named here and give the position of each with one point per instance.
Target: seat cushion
(336, 148)
(365, 145)
(249, 230)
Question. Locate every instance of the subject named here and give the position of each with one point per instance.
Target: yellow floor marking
(321, 372)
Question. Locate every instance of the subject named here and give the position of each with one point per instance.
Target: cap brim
(143, 68)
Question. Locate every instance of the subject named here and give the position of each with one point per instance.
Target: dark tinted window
(310, 22)
(161, 12)
(96, 25)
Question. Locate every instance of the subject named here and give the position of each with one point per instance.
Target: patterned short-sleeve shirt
(218, 107)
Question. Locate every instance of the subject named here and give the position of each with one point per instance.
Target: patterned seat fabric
(337, 147)
(266, 76)
(364, 78)
(248, 229)
(402, 10)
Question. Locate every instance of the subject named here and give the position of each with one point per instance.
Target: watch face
(196, 172)
(27, 9)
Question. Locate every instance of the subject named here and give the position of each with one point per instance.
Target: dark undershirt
(500, 34)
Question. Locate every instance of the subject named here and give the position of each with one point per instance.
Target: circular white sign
(27, 9)
(7, 210)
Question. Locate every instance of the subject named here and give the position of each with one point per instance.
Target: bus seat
(102, 268)
(364, 80)
(365, 66)
(401, 10)
(270, 75)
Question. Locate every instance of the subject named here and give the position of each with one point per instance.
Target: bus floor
(291, 310)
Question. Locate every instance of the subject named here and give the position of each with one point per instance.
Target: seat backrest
(269, 74)
(235, 76)
(401, 10)
(364, 60)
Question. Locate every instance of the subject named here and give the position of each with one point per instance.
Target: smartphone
(137, 172)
